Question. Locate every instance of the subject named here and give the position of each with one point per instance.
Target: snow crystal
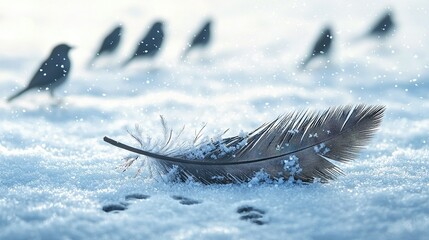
(172, 174)
(292, 165)
(321, 149)
(215, 148)
(293, 131)
(260, 177)
(314, 135)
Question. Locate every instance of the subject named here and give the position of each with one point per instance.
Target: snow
(57, 174)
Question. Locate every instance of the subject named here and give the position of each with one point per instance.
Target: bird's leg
(51, 92)
(57, 101)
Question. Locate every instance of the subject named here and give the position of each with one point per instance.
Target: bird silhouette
(150, 45)
(52, 73)
(322, 46)
(383, 27)
(201, 39)
(109, 45)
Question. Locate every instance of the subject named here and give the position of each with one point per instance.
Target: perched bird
(110, 43)
(322, 46)
(201, 39)
(150, 45)
(383, 27)
(52, 73)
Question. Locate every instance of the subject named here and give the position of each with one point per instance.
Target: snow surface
(57, 174)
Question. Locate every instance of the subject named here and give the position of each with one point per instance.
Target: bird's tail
(17, 94)
(304, 63)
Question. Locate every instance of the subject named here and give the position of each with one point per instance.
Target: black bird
(110, 43)
(150, 45)
(383, 27)
(52, 73)
(321, 47)
(201, 39)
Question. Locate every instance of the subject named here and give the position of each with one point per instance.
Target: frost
(260, 177)
(314, 135)
(173, 174)
(215, 148)
(293, 131)
(321, 149)
(292, 165)
(218, 178)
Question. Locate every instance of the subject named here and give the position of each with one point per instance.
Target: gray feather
(298, 146)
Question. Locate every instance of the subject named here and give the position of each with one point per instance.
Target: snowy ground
(56, 173)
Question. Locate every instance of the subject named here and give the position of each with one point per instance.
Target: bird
(150, 45)
(201, 39)
(383, 27)
(52, 73)
(110, 43)
(322, 46)
(300, 146)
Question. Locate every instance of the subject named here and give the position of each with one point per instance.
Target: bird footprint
(116, 207)
(246, 212)
(121, 206)
(252, 214)
(136, 196)
(185, 200)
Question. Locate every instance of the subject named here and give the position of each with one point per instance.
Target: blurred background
(250, 71)
(274, 33)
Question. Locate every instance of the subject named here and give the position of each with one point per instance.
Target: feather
(299, 146)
